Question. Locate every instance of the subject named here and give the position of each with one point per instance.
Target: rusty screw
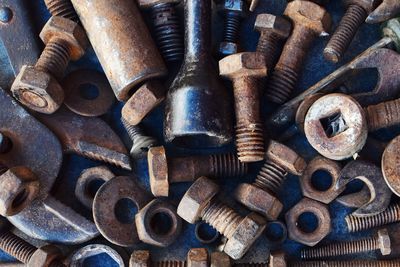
(244, 69)
(140, 142)
(309, 21)
(356, 13)
(62, 8)
(382, 242)
(165, 170)
(199, 202)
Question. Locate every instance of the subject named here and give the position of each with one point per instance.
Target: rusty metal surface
(386, 10)
(391, 165)
(77, 259)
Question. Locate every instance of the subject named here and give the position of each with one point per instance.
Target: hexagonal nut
(384, 241)
(309, 14)
(69, 31)
(150, 3)
(277, 259)
(19, 186)
(158, 171)
(274, 24)
(232, 5)
(367, 5)
(322, 214)
(330, 167)
(285, 157)
(247, 63)
(143, 101)
(246, 233)
(197, 257)
(37, 90)
(196, 198)
(220, 259)
(149, 225)
(227, 48)
(258, 200)
(140, 258)
(45, 256)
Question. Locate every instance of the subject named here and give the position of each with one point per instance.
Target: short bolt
(381, 241)
(62, 8)
(383, 115)
(140, 141)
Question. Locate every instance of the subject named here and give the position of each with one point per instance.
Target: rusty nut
(158, 171)
(45, 256)
(319, 210)
(277, 259)
(152, 226)
(274, 24)
(220, 259)
(197, 257)
(259, 200)
(150, 3)
(19, 186)
(68, 31)
(140, 258)
(247, 63)
(196, 198)
(367, 5)
(37, 90)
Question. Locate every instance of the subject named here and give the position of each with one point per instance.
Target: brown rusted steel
(386, 10)
(391, 165)
(383, 115)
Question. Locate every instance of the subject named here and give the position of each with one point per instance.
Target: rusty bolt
(61, 8)
(356, 13)
(390, 165)
(383, 115)
(199, 202)
(141, 143)
(309, 21)
(244, 69)
(140, 258)
(37, 87)
(19, 186)
(165, 170)
(196, 257)
(261, 195)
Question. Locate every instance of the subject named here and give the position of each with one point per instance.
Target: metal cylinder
(122, 43)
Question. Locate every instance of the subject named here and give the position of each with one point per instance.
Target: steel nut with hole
(319, 210)
(149, 223)
(140, 258)
(197, 257)
(45, 256)
(19, 186)
(158, 171)
(332, 168)
(276, 24)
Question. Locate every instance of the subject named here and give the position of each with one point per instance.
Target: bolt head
(197, 257)
(286, 158)
(158, 171)
(243, 64)
(37, 90)
(45, 256)
(140, 258)
(196, 198)
(384, 241)
(367, 5)
(68, 31)
(227, 49)
(247, 232)
(275, 24)
(150, 3)
(310, 15)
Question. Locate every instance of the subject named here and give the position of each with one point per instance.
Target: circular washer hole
(275, 232)
(89, 91)
(161, 223)
(205, 233)
(307, 222)
(321, 180)
(19, 199)
(93, 186)
(125, 210)
(6, 14)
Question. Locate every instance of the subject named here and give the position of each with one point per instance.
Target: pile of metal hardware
(216, 188)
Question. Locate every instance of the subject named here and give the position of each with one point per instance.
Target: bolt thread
(383, 115)
(222, 218)
(168, 31)
(348, 26)
(281, 85)
(269, 46)
(342, 248)
(16, 247)
(270, 177)
(231, 27)
(170, 264)
(54, 58)
(133, 131)
(227, 165)
(390, 215)
(250, 142)
(392, 263)
(62, 8)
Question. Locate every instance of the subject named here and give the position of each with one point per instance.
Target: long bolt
(140, 142)
(390, 215)
(363, 263)
(383, 115)
(62, 8)
(344, 34)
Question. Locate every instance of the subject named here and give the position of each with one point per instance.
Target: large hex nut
(258, 200)
(197, 257)
(69, 31)
(247, 63)
(246, 233)
(158, 171)
(285, 157)
(196, 198)
(19, 186)
(367, 5)
(321, 164)
(140, 258)
(275, 24)
(45, 256)
(324, 222)
(37, 90)
(150, 226)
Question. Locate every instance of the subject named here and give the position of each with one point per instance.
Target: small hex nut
(247, 63)
(67, 30)
(220, 259)
(227, 48)
(309, 14)
(143, 101)
(277, 259)
(285, 157)
(274, 24)
(197, 257)
(196, 198)
(146, 219)
(140, 258)
(45, 256)
(321, 212)
(258, 200)
(37, 90)
(384, 242)
(19, 186)
(367, 5)
(247, 232)
(158, 171)
(150, 3)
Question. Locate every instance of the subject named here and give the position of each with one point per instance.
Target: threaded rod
(16, 247)
(383, 115)
(54, 58)
(62, 8)
(227, 165)
(270, 177)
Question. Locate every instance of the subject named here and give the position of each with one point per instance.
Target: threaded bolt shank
(16, 247)
(61, 8)
(269, 45)
(383, 115)
(232, 26)
(227, 165)
(270, 177)
(370, 263)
